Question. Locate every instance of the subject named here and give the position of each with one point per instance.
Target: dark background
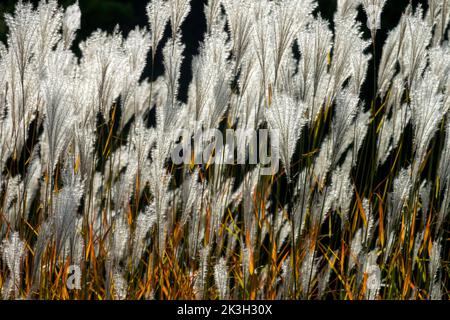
(106, 14)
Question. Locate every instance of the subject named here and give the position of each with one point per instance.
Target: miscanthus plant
(93, 207)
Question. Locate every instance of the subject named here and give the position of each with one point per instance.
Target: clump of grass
(89, 191)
